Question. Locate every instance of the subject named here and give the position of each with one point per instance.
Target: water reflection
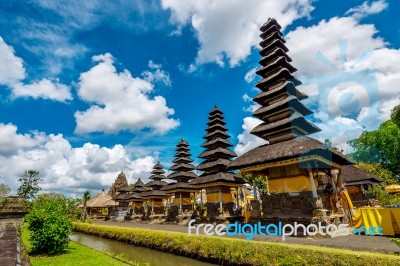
(140, 254)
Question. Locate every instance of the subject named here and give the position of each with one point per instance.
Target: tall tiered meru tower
(182, 189)
(297, 169)
(216, 179)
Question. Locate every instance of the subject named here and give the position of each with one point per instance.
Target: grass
(237, 251)
(76, 254)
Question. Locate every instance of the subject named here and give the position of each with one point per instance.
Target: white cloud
(227, 30)
(121, 102)
(250, 75)
(64, 168)
(363, 78)
(366, 9)
(45, 89)
(247, 141)
(350, 75)
(11, 68)
(12, 74)
(156, 74)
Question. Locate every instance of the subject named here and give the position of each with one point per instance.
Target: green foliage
(395, 116)
(380, 172)
(4, 190)
(49, 224)
(75, 254)
(260, 181)
(231, 251)
(85, 198)
(380, 146)
(383, 197)
(29, 184)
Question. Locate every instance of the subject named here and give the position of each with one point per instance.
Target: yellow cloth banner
(214, 197)
(290, 184)
(185, 201)
(387, 218)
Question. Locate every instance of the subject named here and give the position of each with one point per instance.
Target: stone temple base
(298, 207)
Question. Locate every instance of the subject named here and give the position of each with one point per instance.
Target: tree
(380, 146)
(395, 116)
(4, 190)
(85, 198)
(29, 184)
(49, 224)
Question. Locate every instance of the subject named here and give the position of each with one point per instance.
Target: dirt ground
(353, 242)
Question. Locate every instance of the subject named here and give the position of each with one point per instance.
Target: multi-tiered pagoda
(216, 179)
(182, 172)
(298, 170)
(137, 201)
(155, 197)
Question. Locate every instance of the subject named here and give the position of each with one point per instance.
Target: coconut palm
(85, 198)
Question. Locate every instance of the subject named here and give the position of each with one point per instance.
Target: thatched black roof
(123, 188)
(182, 166)
(295, 148)
(225, 177)
(287, 88)
(353, 175)
(275, 43)
(156, 183)
(270, 22)
(139, 183)
(281, 74)
(154, 194)
(179, 186)
(125, 197)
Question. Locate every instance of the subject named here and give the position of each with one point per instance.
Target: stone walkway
(9, 247)
(380, 244)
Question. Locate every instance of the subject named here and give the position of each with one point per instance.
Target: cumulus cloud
(226, 33)
(366, 9)
(354, 74)
(11, 68)
(12, 74)
(350, 75)
(247, 141)
(120, 101)
(64, 168)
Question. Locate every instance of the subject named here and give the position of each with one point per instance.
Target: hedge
(232, 251)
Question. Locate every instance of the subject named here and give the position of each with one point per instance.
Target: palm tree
(85, 198)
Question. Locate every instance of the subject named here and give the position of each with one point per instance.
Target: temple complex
(154, 198)
(218, 182)
(302, 176)
(184, 192)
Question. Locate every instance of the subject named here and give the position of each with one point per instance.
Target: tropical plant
(29, 184)
(85, 198)
(49, 224)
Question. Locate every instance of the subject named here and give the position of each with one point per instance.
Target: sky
(91, 88)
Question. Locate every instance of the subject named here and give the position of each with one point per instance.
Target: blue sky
(91, 88)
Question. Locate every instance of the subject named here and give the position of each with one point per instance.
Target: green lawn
(75, 254)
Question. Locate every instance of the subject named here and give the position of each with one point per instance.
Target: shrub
(49, 225)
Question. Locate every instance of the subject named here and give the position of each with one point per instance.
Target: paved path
(353, 242)
(9, 247)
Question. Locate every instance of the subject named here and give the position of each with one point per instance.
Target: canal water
(135, 253)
